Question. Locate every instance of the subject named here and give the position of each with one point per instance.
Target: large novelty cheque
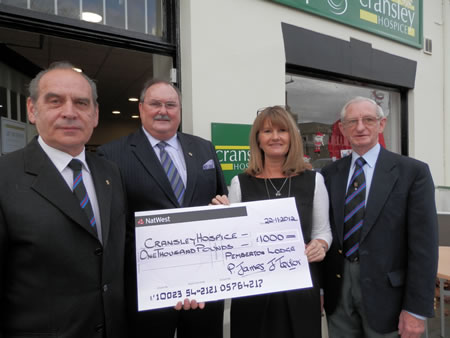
(217, 252)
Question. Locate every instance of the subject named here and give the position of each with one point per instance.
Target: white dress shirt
(371, 159)
(175, 152)
(61, 160)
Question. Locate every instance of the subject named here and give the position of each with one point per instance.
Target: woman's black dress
(290, 314)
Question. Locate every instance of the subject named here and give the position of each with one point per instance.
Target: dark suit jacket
(56, 278)
(399, 240)
(148, 188)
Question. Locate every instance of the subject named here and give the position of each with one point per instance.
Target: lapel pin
(190, 154)
(107, 182)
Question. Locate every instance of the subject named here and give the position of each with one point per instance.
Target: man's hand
(189, 305)
(410, 326)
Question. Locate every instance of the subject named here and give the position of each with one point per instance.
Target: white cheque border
(217, 252)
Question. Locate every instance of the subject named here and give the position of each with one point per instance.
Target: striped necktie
(172, 173)
(355, 206)
(80, 191)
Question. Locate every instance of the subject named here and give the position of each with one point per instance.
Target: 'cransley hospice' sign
(232, 148)
(399, 20)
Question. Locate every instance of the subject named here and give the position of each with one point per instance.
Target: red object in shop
(338, 142)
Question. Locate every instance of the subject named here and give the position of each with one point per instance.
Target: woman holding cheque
(277, 170)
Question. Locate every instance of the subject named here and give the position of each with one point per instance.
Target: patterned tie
(355, 201)
(80, 191)
(172, 173)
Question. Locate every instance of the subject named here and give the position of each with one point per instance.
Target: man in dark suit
(61, 262)
(380, 270)
(142, 158)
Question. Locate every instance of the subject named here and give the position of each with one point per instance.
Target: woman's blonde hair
(279, 117)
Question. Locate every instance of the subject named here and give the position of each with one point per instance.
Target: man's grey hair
(378, 109)
(152, 82)
(33, 87)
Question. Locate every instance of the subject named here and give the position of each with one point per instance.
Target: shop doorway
(118, 72)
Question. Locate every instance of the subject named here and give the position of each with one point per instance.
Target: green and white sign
(399, 20)
(232, 147)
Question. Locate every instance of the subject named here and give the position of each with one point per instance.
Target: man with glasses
(164, 169)
(379, 274)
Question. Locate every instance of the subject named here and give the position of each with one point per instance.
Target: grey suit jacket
(56, 278)
(399, 240)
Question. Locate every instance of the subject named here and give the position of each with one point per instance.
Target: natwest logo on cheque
(153, 220)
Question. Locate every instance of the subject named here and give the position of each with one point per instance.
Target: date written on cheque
(279, 219)
(205, 290)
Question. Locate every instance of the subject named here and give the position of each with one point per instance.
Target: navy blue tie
(355, 206)
(80, 191)
(172, 173)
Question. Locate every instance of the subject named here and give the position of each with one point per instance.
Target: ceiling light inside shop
(133, 99)
(116, 112)
(91, 17)
(134, 116)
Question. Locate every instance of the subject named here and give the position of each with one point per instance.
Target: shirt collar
(154, 141)
(370, 157)
(61, 159)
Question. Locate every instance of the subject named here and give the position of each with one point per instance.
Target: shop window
(17, 3)
(44, 6)
(69, 8)
(316, 105)
(143, 16)
(3, 103)
(136, 10)
(13, 101)
(154, 17)
(115, 14)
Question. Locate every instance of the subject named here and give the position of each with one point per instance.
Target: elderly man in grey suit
(62, 220)
(380, 270)
(164, 169)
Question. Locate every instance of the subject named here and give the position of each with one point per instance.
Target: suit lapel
(144, 152)
(51, 185)
(103, 189)
(190, 158)
(383, 181)
(338, 190)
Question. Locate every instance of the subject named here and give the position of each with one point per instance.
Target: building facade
(233, 57)
(240, 55)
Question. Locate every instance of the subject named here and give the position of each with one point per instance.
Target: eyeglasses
(368, 121)
(156, 105)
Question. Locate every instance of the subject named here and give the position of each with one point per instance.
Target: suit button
(99, 328)
(340, 251)
(105, 287)
(98, 251)
(338, 275)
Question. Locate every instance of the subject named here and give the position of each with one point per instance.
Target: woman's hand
(220, 199)
(316, 250)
